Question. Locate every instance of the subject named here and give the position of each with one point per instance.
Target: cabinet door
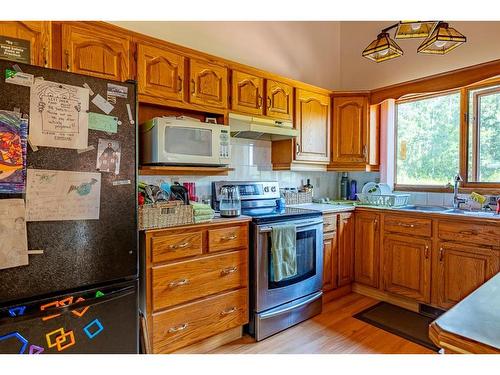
(407, 266)
(367, 249)
(95, 52)
(350, 122)
(330, 266)
(461, 269)
(246, 93)
(160, 72)
(38, 33)
(313, 124)
(346, 248)
(279, 100)
(208, 84)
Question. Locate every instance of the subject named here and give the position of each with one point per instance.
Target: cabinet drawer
(176, 246)
(468, 232)
(227, 238)
(329, 223)
(408, 225)
(184, 325)
(185, 281)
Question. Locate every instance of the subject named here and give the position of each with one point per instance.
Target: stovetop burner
(273, 214)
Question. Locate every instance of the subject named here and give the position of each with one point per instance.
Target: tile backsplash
(251, 160)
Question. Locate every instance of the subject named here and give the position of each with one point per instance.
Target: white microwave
(174, 141)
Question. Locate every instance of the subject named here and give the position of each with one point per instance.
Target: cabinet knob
(179, 82)
(441, 251)
(269, 102)
(259, 101)
(45, 58)
(297, 148)
(68, 66)
(426, 252)
(193, 86)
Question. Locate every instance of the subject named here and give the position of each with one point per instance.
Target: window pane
(484, 135)
(427, 140)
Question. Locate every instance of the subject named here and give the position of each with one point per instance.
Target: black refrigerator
(80, 295)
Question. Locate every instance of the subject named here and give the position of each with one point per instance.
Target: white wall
(358, 73)
(305, 51)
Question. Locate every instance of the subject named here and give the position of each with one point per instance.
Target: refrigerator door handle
(77, 305)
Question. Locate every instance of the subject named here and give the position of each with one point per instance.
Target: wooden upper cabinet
(38, 33)
(407, 266)
(247, 93)
(160, 72)
(95, 52)
(313, 124)
(367, 249)
(208, 84)
(350, 132)
(461, 269)
(345, 249)
(279, 100)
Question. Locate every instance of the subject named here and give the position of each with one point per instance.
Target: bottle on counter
(308, 187)
(344, 186)
(353, 190)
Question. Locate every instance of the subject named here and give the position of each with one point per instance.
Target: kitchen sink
(471, 213)
(425, 208)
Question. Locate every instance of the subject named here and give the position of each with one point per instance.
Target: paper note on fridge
(58, 115)
(13, 237)
(62, 195)
(103, 123)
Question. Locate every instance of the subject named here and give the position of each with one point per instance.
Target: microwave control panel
(224, 144)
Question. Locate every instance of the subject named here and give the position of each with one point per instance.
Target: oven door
(309, 248)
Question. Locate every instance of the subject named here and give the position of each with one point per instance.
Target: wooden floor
(334, 331)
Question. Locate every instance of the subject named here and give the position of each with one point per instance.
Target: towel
(203, 212)
(283, 251)
(203, 218)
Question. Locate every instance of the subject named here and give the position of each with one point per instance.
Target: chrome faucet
(456, 200)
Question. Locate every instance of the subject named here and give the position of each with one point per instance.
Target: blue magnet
(18, 336)
(17, 311)
(99, 329)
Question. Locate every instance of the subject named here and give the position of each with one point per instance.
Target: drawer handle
(228, 311)
(179, 246)
(180, 327)
(468, 232)
(406, 225)
(179, 82)
(229, 270)
(426, 252)
(177, 283)
(229, 238)
(441, 251)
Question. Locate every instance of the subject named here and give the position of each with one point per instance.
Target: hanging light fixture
(383, 48)
(414, 29)
(442, 40)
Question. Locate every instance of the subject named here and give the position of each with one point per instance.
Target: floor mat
(404, 323)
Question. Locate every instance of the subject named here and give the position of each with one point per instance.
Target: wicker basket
(388, 200)
(164, 214)
(297, 197)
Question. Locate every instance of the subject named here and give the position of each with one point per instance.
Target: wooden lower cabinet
(367, 249)
(407, 266)
(461, 269)
(195, 282)
(346, 248)
(330, 265)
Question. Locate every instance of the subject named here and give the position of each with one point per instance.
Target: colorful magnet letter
(99, 294)
(79, 313)
(17, 311)
(97, 329)
(35, 349)
(50, 304)
(63, 340)
(19, 337)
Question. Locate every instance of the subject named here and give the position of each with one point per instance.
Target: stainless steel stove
(277, 305)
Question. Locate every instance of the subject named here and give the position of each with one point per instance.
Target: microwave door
(189, 145)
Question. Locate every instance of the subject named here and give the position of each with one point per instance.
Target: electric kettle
(230, 202)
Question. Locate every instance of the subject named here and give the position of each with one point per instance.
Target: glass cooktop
(273, 214)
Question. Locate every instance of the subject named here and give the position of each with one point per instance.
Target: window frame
(467, 186)
(412, 98)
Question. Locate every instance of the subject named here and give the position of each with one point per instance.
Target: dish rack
(385, 200)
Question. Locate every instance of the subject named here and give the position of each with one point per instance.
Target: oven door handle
(271, 314)
(302, 225)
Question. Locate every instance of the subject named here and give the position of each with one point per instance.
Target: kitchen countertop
(217, 220)
(324, 207)
(472, 325)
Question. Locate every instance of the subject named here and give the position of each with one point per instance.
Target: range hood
(260, 128)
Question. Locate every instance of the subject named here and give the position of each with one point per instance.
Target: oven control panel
(250, 190)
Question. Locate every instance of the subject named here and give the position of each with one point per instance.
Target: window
(428, 140)
(484, 135)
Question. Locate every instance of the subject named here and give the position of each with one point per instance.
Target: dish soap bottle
(344, 186)
(308, 187)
